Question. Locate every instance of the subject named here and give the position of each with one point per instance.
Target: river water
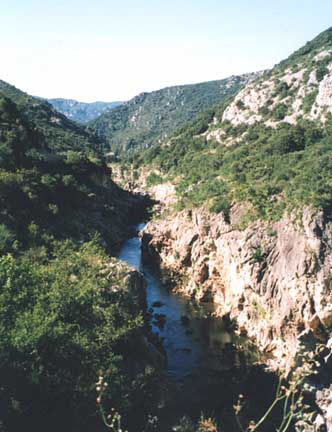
(207, 364)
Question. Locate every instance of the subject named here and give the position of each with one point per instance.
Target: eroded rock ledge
(274, 279)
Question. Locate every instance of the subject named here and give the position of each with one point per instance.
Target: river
(208, 365)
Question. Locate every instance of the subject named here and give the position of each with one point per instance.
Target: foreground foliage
(62, 317)
(61, 321)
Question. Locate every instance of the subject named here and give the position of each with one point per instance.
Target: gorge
(208, 364)
(169, 260)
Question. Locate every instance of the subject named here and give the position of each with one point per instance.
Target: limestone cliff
(300, 87)
(274, 279)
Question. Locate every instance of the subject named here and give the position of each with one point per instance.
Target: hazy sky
(111, 50)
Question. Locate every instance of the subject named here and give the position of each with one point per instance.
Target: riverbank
(271, 279)
(208, 364)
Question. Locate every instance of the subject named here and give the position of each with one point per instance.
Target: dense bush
(321, 72)
(309, 100)
(64, 193)
(281, 90)
(153, 179)
(272, 168)
(279, 111)
(61, 322)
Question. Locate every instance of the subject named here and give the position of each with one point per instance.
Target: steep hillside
(299, 87)
(67, 309)
(245, 151)
(59, 132)
(150, 118)
(251, 225)
(54, 175)
(81, 112)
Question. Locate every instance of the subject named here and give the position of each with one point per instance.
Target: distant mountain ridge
(81, 112)
(150, 118)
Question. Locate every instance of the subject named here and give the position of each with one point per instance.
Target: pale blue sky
(112, 50)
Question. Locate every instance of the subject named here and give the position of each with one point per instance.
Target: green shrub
(221, 204)
(288, 139)
(322, 68)
(321, 72)
(153, 179)
(7, 239)
(281, 90)
(309, 100)
(264, 111)
(60, 323)
(271, 232)
(279, 111)
(258, 255)
(240, 104)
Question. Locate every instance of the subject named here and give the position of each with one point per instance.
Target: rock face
(275, 280)
(292, 89)
(298, 88)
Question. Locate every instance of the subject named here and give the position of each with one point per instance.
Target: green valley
(150, 118)
(165, 263)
